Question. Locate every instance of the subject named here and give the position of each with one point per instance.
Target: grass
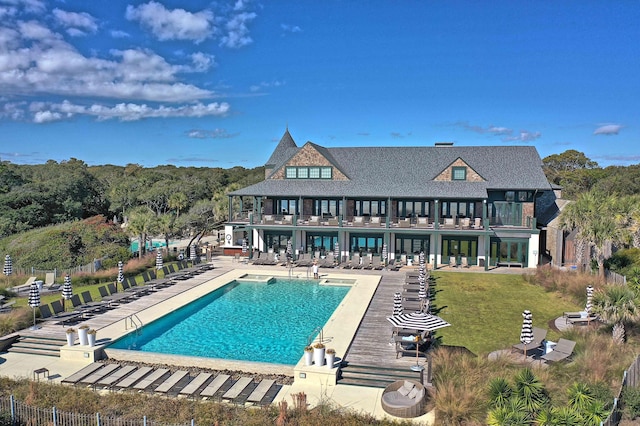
(485, 310)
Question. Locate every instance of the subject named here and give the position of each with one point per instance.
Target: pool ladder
(133, 321)
(318, 330)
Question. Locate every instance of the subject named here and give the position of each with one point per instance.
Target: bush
(631, 402)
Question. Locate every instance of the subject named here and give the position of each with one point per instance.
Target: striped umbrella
(159, 260)
(423, 293)
(193, 252)
(526, 335)
(67, 290)
(336, 250)
(385, 254)
(397, 304)
(120, 278)
(418, 321)
(34, 301)
(289, 252)
(8, 267)
(244, 246)
(589, 306)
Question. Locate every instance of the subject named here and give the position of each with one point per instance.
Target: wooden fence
(17, 413)
(630, 378)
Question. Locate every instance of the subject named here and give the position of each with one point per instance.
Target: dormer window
(305, 172)
(459, 173)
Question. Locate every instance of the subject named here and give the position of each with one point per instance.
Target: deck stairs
(378, 377)
(38, 345)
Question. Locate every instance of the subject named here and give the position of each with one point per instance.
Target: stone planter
(83, 335)
(318, 355)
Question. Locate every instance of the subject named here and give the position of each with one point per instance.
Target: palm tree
(598, 220)
(141, 223)
(617, 304)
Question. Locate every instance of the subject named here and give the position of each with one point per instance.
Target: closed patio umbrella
(34, 302)
(526, 335)
(289, 252)
(193, 255)
(589, 305)
(120, 278)
(67, 290)
(385, 254)
(336, 251)
(159, 260)
(397, 304)
(244, 246)
(8, 267)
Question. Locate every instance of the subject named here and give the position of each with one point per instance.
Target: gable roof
(410, 172)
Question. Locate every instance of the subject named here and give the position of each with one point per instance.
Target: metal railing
(19, 413)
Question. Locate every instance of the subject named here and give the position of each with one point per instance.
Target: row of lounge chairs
(205, 385)
(84, 306)
(328, 261)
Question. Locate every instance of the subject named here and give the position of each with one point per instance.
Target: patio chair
(539, 334)
(333, 221)
(404, 223)
(404, 398)
(358, 221)
(375, 221)
(269, 219)
(453, 262)
(422, 222)
(477, 223)
(562, 350)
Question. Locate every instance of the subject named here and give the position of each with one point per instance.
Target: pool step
(38, 345)
(374, 376)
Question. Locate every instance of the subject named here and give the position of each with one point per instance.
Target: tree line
(165, 200)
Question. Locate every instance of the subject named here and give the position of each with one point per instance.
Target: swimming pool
(246, 321)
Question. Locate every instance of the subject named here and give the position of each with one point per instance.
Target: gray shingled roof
(409, 172)
(284, 150)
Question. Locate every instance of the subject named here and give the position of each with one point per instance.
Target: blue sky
(215, 84)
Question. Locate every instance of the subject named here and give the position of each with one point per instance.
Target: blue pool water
(245, 321)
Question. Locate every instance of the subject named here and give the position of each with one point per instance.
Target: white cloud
(608, 129)
(123, 111)
(266, 85)
(176, 24)
(76, 23)
(290, 28)
(202, 61)
(238, 31)
(119, 34)
(211, 134)
(523, 136)
(46, 116)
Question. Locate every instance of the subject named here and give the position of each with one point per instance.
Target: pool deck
(358, 330)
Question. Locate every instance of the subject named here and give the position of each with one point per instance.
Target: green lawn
(485, 310)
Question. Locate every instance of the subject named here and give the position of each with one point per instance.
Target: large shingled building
(474, 205)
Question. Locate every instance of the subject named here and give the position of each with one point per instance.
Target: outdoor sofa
(404, 398)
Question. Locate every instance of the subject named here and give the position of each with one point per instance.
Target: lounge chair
(393, 266)
(333, 221)
(216, 384)
(539, 334)
(328, 261)
(287, 219)
(7, 306)
(50, 281)
(268, 219)
(195, 385)
(366, 262)
(260, 391)
(355, 262)
(562, 350)
(84, 372)
(375, 221)
(406, 345)
(449, 222)
(46, 314)
(404, 398)
(86, 308)
(465, 223)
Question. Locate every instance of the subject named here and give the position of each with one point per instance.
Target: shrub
(631, 402)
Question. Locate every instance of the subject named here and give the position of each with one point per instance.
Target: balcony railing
(383, 222)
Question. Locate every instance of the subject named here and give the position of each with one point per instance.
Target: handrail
(313, 333)
(133, 323)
